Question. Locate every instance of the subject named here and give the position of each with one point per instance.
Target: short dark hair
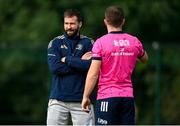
(114, 15)
(73, 12)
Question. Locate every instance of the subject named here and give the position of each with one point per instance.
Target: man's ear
(123, 22)
(80, 24)
(105, 22)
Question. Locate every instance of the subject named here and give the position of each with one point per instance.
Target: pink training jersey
(118, 52)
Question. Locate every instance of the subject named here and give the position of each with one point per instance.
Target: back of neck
(113, 29)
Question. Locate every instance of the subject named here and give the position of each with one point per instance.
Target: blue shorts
(115, 111)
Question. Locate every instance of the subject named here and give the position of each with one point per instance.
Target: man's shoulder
(123, 34)
(61, 37)
(102, 38)
(56, 40)
(86, 39)
(130, 36)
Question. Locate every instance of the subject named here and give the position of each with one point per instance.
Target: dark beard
(73, 35)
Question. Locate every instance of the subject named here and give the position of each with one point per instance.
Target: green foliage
(24, 82)
(26, 27)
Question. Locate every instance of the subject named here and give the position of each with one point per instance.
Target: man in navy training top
(69, 58)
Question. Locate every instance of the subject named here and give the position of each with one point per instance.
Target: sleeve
(97, 50)
(140, 49)
(54, 63)
(77, 62)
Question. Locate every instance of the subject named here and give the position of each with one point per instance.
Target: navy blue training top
(68, 79)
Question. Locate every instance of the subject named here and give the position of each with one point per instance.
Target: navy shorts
(115, 111)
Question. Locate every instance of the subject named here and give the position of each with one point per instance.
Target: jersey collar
(116, 32)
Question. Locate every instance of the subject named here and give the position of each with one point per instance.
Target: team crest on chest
(79, 46)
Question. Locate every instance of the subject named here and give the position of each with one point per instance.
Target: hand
(87, 56)
(85, 104)
(63, 59)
